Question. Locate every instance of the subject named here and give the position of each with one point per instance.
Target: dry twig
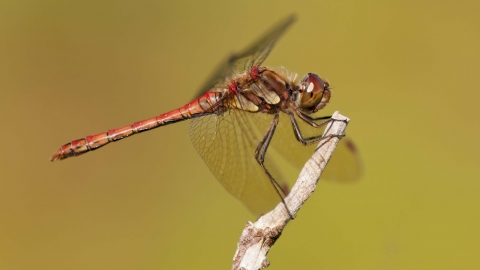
(257, 238)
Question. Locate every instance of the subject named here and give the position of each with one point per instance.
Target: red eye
(314, 93)
(312, 84)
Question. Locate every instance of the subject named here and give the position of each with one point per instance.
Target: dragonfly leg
(260, 157)
(310, 121)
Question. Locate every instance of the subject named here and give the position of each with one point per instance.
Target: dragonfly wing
(345, 165)
(254, 55)
(227, 143)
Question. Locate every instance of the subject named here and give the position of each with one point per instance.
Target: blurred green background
(405, 72)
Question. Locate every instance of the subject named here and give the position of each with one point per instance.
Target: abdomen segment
(206, 104)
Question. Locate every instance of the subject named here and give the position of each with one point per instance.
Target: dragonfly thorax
(260, 90)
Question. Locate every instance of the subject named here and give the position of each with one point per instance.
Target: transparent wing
(345, 166)
(227, 143)
(254, 55)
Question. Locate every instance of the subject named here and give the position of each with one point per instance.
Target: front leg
(310, 121)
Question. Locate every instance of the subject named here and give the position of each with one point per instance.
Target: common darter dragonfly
(235, 118)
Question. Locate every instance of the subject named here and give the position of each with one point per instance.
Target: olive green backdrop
(405, 72)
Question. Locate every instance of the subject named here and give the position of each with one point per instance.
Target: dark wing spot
(285, 189)
(351, 146)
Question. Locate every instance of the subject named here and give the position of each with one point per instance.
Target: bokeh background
(405, 72)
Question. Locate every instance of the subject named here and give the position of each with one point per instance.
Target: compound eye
(312, 87)
(312, 84)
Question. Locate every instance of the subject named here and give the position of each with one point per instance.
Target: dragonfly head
(313, 94)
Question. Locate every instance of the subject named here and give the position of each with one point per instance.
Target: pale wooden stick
(257, 238)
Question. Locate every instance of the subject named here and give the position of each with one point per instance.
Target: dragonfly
(234, 120)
